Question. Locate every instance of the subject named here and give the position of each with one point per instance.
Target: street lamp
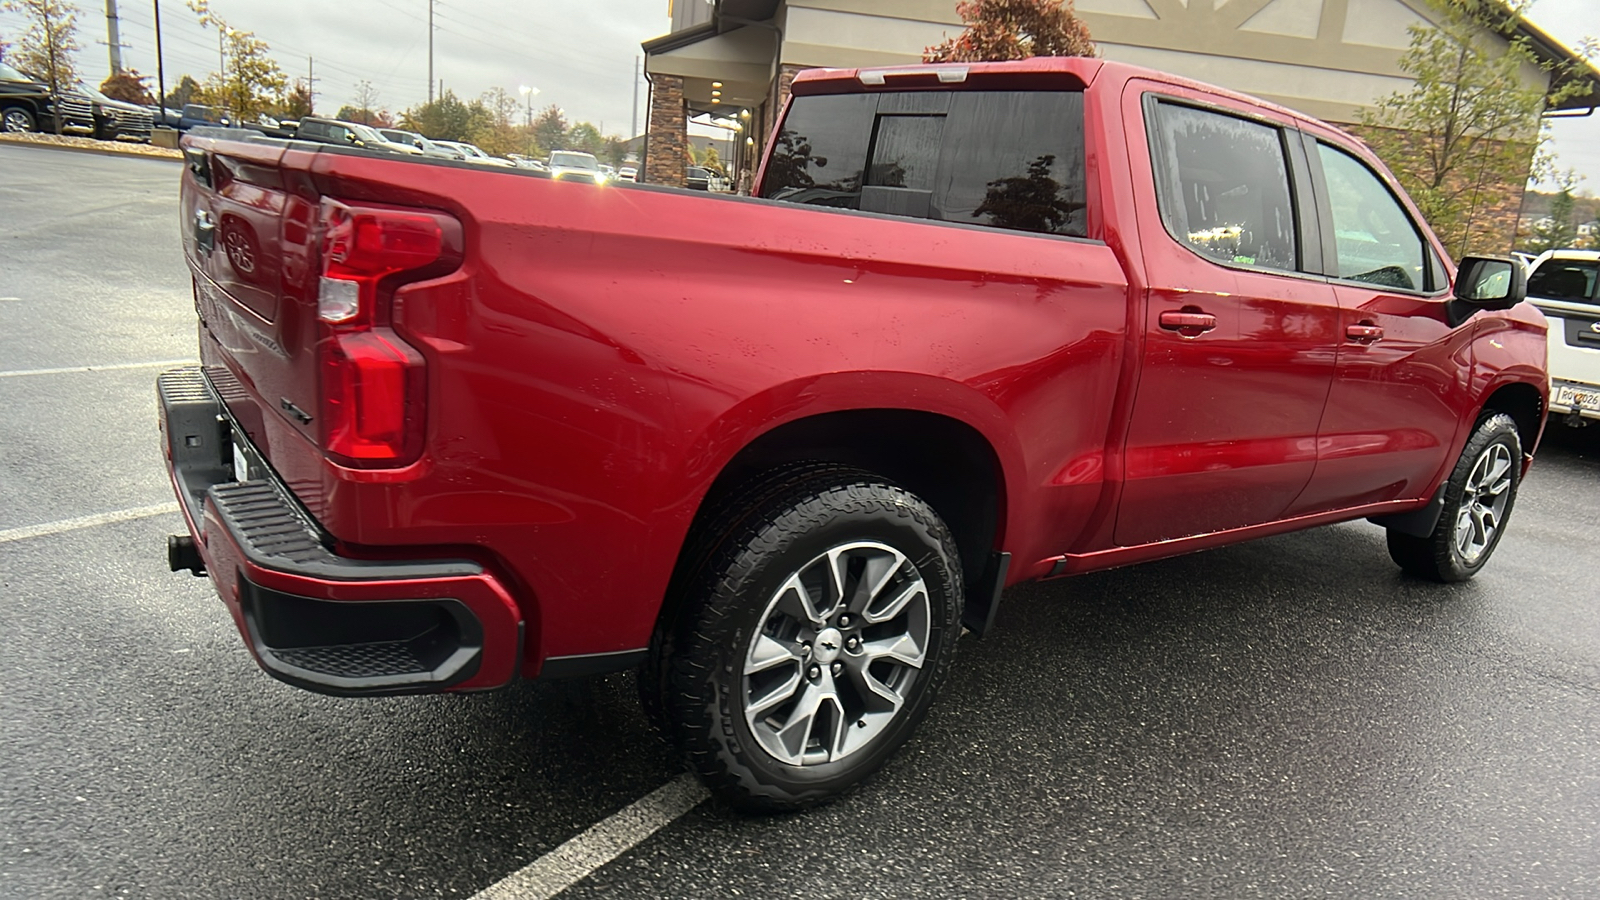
(529, 92)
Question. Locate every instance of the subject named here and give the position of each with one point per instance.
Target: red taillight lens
(374, 384)
(372, 389)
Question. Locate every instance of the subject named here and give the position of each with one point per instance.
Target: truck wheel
(813, 640)
(1477, 502)
(17, 120)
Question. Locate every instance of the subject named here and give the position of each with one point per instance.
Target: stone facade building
(1328, 58)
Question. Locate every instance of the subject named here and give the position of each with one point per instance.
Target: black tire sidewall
(747, 584)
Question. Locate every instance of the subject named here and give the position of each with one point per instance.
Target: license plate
(1578, 398)
(241, 463)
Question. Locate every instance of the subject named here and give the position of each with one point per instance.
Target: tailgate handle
(205, 232)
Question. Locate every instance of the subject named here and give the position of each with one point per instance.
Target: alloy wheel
(1483, 502)
(835, 654)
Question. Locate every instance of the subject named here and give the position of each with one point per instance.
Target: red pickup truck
(981, 324)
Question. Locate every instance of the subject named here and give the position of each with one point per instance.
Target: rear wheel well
(1523, 403)
(945, 462)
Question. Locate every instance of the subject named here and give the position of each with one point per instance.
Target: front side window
(1004, 159)
(1222, 183)
(1376, 241)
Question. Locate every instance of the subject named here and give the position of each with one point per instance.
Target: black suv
(24, 102)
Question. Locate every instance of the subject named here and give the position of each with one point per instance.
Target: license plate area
(1578, 396)
(246, 462)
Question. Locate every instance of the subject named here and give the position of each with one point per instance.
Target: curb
(9, 141)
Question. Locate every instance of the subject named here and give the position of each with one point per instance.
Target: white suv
(1565, 285)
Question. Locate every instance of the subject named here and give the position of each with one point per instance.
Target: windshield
(365, 133)
(9, 74)
(574, 160)
(1566, 279)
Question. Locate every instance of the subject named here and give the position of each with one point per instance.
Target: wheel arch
(1526, 406)
(954, 449)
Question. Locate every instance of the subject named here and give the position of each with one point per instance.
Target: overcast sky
(580, 54)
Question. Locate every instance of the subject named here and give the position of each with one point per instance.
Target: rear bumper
(311, 618)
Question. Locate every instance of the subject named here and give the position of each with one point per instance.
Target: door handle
(1364, 333)
(205, 231)
(1188, 322)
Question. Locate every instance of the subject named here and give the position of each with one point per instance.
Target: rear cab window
(1002, 159)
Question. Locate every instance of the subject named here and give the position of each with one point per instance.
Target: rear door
(1241, 328)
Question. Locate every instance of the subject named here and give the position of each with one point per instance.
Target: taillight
(374, 384)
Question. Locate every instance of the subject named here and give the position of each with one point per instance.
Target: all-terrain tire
(876, 545)
(1478, 499)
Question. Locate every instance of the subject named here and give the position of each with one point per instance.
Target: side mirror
(1490, 282)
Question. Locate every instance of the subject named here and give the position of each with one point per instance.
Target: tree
(366, 103)
(1014, 29)
(550, 129)
(1470, 124)
(252, 83)
(129, 87)
(585, 137)
(710, 159)
(445, 119)
(46, 47)
(183, 94)
(1558, 230)
(296, 103)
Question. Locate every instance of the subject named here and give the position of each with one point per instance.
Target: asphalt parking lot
(1285, 718)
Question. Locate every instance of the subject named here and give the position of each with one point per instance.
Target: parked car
(197, 115)
(108, 119)
(697, 178)
(528, 162)
(628, 173)
(351, 134)
(776, 455)
(1565, 285)
(473, 154)
(428, 148)
(574, 165)
(25, 102)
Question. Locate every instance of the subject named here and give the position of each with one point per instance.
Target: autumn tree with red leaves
(1014, 29)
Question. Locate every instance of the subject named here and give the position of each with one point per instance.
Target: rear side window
(1560, 279)
(1222, 183)
(1377, 242)
(1005, 159)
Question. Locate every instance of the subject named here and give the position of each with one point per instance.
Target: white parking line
(121, 515)
(10, 299)
(18, 373)
(606, 840)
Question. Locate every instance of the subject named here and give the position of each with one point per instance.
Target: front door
(1403, 368)
(1241, 330)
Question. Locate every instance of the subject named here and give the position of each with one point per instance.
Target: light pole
(529, 92)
